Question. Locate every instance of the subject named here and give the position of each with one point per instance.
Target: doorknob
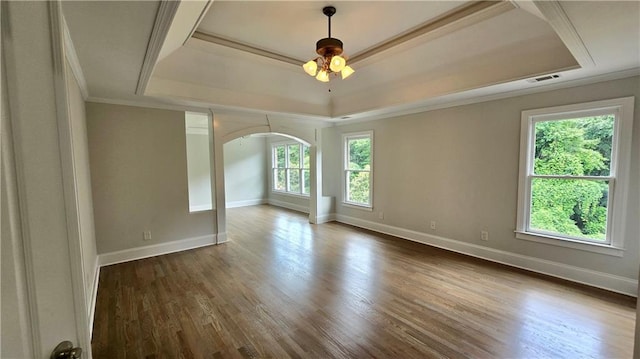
(65, 350)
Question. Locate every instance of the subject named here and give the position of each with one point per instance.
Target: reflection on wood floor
(285, 288)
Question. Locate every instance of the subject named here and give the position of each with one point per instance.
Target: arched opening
(294, 177)
(266, 176)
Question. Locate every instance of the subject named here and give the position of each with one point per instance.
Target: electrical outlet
(484, 235)
(146, 235)
(433, 225)
(380, 215)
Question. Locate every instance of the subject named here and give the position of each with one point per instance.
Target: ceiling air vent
(543, 78)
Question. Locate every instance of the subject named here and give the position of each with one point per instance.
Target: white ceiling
(292, 28)
(110, 39)
(487, 53)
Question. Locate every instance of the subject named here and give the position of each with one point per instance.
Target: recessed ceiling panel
(110, 39)
(613, 44)
(292, 28)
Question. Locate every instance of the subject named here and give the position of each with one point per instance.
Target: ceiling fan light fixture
(311, 67)
(330, 51)
(337, 63)
(347, 71)
(323, 76)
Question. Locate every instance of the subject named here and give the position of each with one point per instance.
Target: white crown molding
(74, 62)
(146, 104)
(618, 284)
(437, 104)
(204, 12)
(559, 21)
(161, 26)
(219, 40)
(451, 21)
(462, 16)
(443, 104)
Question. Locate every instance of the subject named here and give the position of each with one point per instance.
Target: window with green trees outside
(572, 174)
(291, 168)
(358, 166)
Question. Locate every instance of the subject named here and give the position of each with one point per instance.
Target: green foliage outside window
(574, 147)
(358, 173)
(291, 168)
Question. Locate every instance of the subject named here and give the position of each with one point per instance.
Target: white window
(574, 166)
(290, 163)
(358, 169)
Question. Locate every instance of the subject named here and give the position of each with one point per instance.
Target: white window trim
(274, 162)
(620, 163)
(345, 138)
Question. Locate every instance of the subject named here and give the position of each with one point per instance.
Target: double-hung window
(291, 168)
(574, 166)
(358, 168)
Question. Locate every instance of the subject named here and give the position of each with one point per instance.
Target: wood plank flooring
(283, 288)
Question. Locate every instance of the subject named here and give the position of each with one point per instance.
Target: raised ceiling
(408, 55)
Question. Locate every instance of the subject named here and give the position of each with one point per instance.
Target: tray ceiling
(247, 54)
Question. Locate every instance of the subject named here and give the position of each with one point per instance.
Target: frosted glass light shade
(310, 67)
(337, 63)
(347, 71)
(323, 76)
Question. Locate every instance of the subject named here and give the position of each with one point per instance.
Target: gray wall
(139, 177)
(245, 171)
(459, 167)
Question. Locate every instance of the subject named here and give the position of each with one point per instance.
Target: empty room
(312, 179)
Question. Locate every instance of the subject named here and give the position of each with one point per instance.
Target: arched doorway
(315, 171)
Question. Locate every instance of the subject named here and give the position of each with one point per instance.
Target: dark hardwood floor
(285, 288)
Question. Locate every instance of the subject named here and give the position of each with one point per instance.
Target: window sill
(297, 195)
(363, 207)
(196, 209)
(568, 243)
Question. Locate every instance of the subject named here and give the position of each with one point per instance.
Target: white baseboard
(246, 203)
(94, 295)
(292, 206)
(222, 238)
(593, 278)
(325, 218)
(127, 255)
(201, 208)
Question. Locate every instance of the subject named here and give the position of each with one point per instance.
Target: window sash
(348, 187)
(622, 109)
(346, 158)
(288, 169)
(535, 119)
(562, 236)
(531, 171)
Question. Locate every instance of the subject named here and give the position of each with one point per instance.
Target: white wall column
(217, 190)
(315, 197)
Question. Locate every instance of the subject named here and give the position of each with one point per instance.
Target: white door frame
(45, 206)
